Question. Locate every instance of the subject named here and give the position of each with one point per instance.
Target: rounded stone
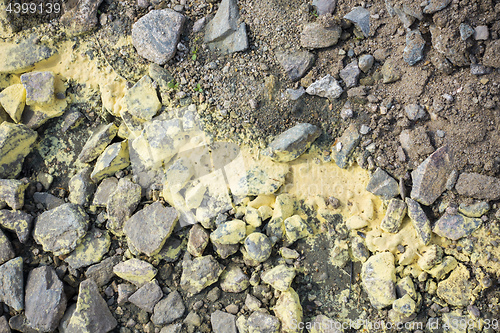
(258, 246)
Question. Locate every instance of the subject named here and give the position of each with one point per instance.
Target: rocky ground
(250, 166)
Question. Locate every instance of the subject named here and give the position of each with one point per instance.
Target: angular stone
(113, 159)
(378, 275)
(160, 75)
(48, 200)
(326, 87)
(199, 273)
(481, 32)
(466, 31)
(135, 271)
(440, 270)
(456, 226)
(420, 222)
(147, 296)
(258, 246)
(148, 229)
(431, 257)
(457, 289)
(71, 120)
(131, 127)
(361, 18)
(415, 111)
(416, 142)
(142, 100)
(350, 74)
(104, 191)
(405, 305)
(260, 322)
(198, 240)
(405, 286)
(12, 284)
(39, 87)
(16, 141)
(13, 100)
(92, 313)
(475, 210)
(414, 50)
(435, 6)
(6, 250)
(93, 247)
(81, 16)
(233, 280)
(359, 250)
(172, 250)
(125, 290)
(390, 71)
(12, 193)
(226, 250)
(4, 324)
(396, 211)
(445, 42)
(324, 6)
(81, 188)
(478, 186)
(429, 179)
(98, 142)
(156, 34)
(383, 185)
(22, 57)
(347, 143)
(121, 204)
(296, 64)
(280, 277)
(366, 62)
(296, 228)
(316, 36)
(36, 115)
(168, 309)
(45, 299)
(292, 143)
(288, 310)
(18, 221)
(223, 322)
(102, 272)
(490, 57)
(61, 229)
(231, 232)
(253, 217)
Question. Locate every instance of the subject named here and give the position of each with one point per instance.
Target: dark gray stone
(4, 325)
(20, 323)
(102, 272)
(81, 188)
(160, 75)
(419, 220)
(258, 246)
(478, 69)
(97, 142)
(104, 191)
(416, 142)
(199, 273)
(350, 74)
(361, 18)
(429, 179)
(315, 35)
(396, 211)
(456, 226)
(45, 299)
(263, 323)
(296, 64)
(383, 185)
(223, 322)
(168, 309)
(80, 16)
(345, 146)
(6, 250)
(121, 204)
(233, 280)
(12, 284)
(414, 50)
(156, 34)
(147, 296)
(478, 186)
(225, 250)
(48, 200)
(359, 249)
(292, 143)
(324, 6)
(61, 229)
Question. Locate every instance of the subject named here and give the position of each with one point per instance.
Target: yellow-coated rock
(378, 276)
(36, 115)
(231, 232)
(356, 222)
(283, 209)
(39, 87)
(280, 277)
(93, 247)
(113, 159)
(289, 311)
(141, 100)
(13, 99)
(135, 271)
(233, 280)
(97, 143)
(447, 265)
(457, 289)
(296, 228)
(265, 212)
(16, 141)
(20, 58)
(252, 217)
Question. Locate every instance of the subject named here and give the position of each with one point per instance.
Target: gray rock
(414, 50)
(80, 16)
(47, 200)
(168, 309)
(121, 204)
(22, 57)
(490, 57)
(45, 299)
(475, 210)
(114, 158)
(199, 273)
(465, 31)
(147, 296)
(199, 24)
(223, 322)
(39, 87)
(4, 325)
(456, 226)
(230, 232)
(378, 277)
(225, 250)
(478, 186)
(92, 313)
(198, 240)
(452, 180)
(350, 74)
(420, 222)
(478, 69)
(92, 248)
(295, 94)
(156, 34)
(81, 187)
(364, 129)
(263, 323)
(17, 221)
(6, 250)
(104, 191)
(12, 153)
(326, 87)
(390, 71)
(292, 143)
(102, 272)
(258, 246)
(361, 18)
(135, 271)
(160, 75)
(429, 179)
(173, 328)
(396, 211)
(383, 185)
(435, 6)
(97, 142)
(148, 229)
(224, 32)
(279, 277)
(19, 323)
(415, 111)
(72, 224)
(403, 16)
(171, 251)
(124, 292)
(316, 36)
(481, 32)
(342, 151)
(233, 280)
(365, 62)
(324, 6)
(445, 42)
(296, 64)
(12, 284)
(359, 250)
(416, 142)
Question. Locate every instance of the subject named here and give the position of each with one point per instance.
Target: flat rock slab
(39, 87)
(22, 57)
(114, 158)
(199, 273)
(456, 226)
(223, 322)
(135, 271)
(316, 36)
(420, 221)
(12, 284)
(92, 313)
(17, 221)
(97, 142)
(478, 186)
(156, 34)
(378, 275)
(61, 229)
(102, 272)
(147, 296)
(45, 299)
(93, 247)
(383, 185)
(148, 229)
(296, 64)
(429, 179)
(169, 309)
(104, 191)
(361, 18)
(345, 146)
(326, 87)
(16, 141)
(292, 143)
